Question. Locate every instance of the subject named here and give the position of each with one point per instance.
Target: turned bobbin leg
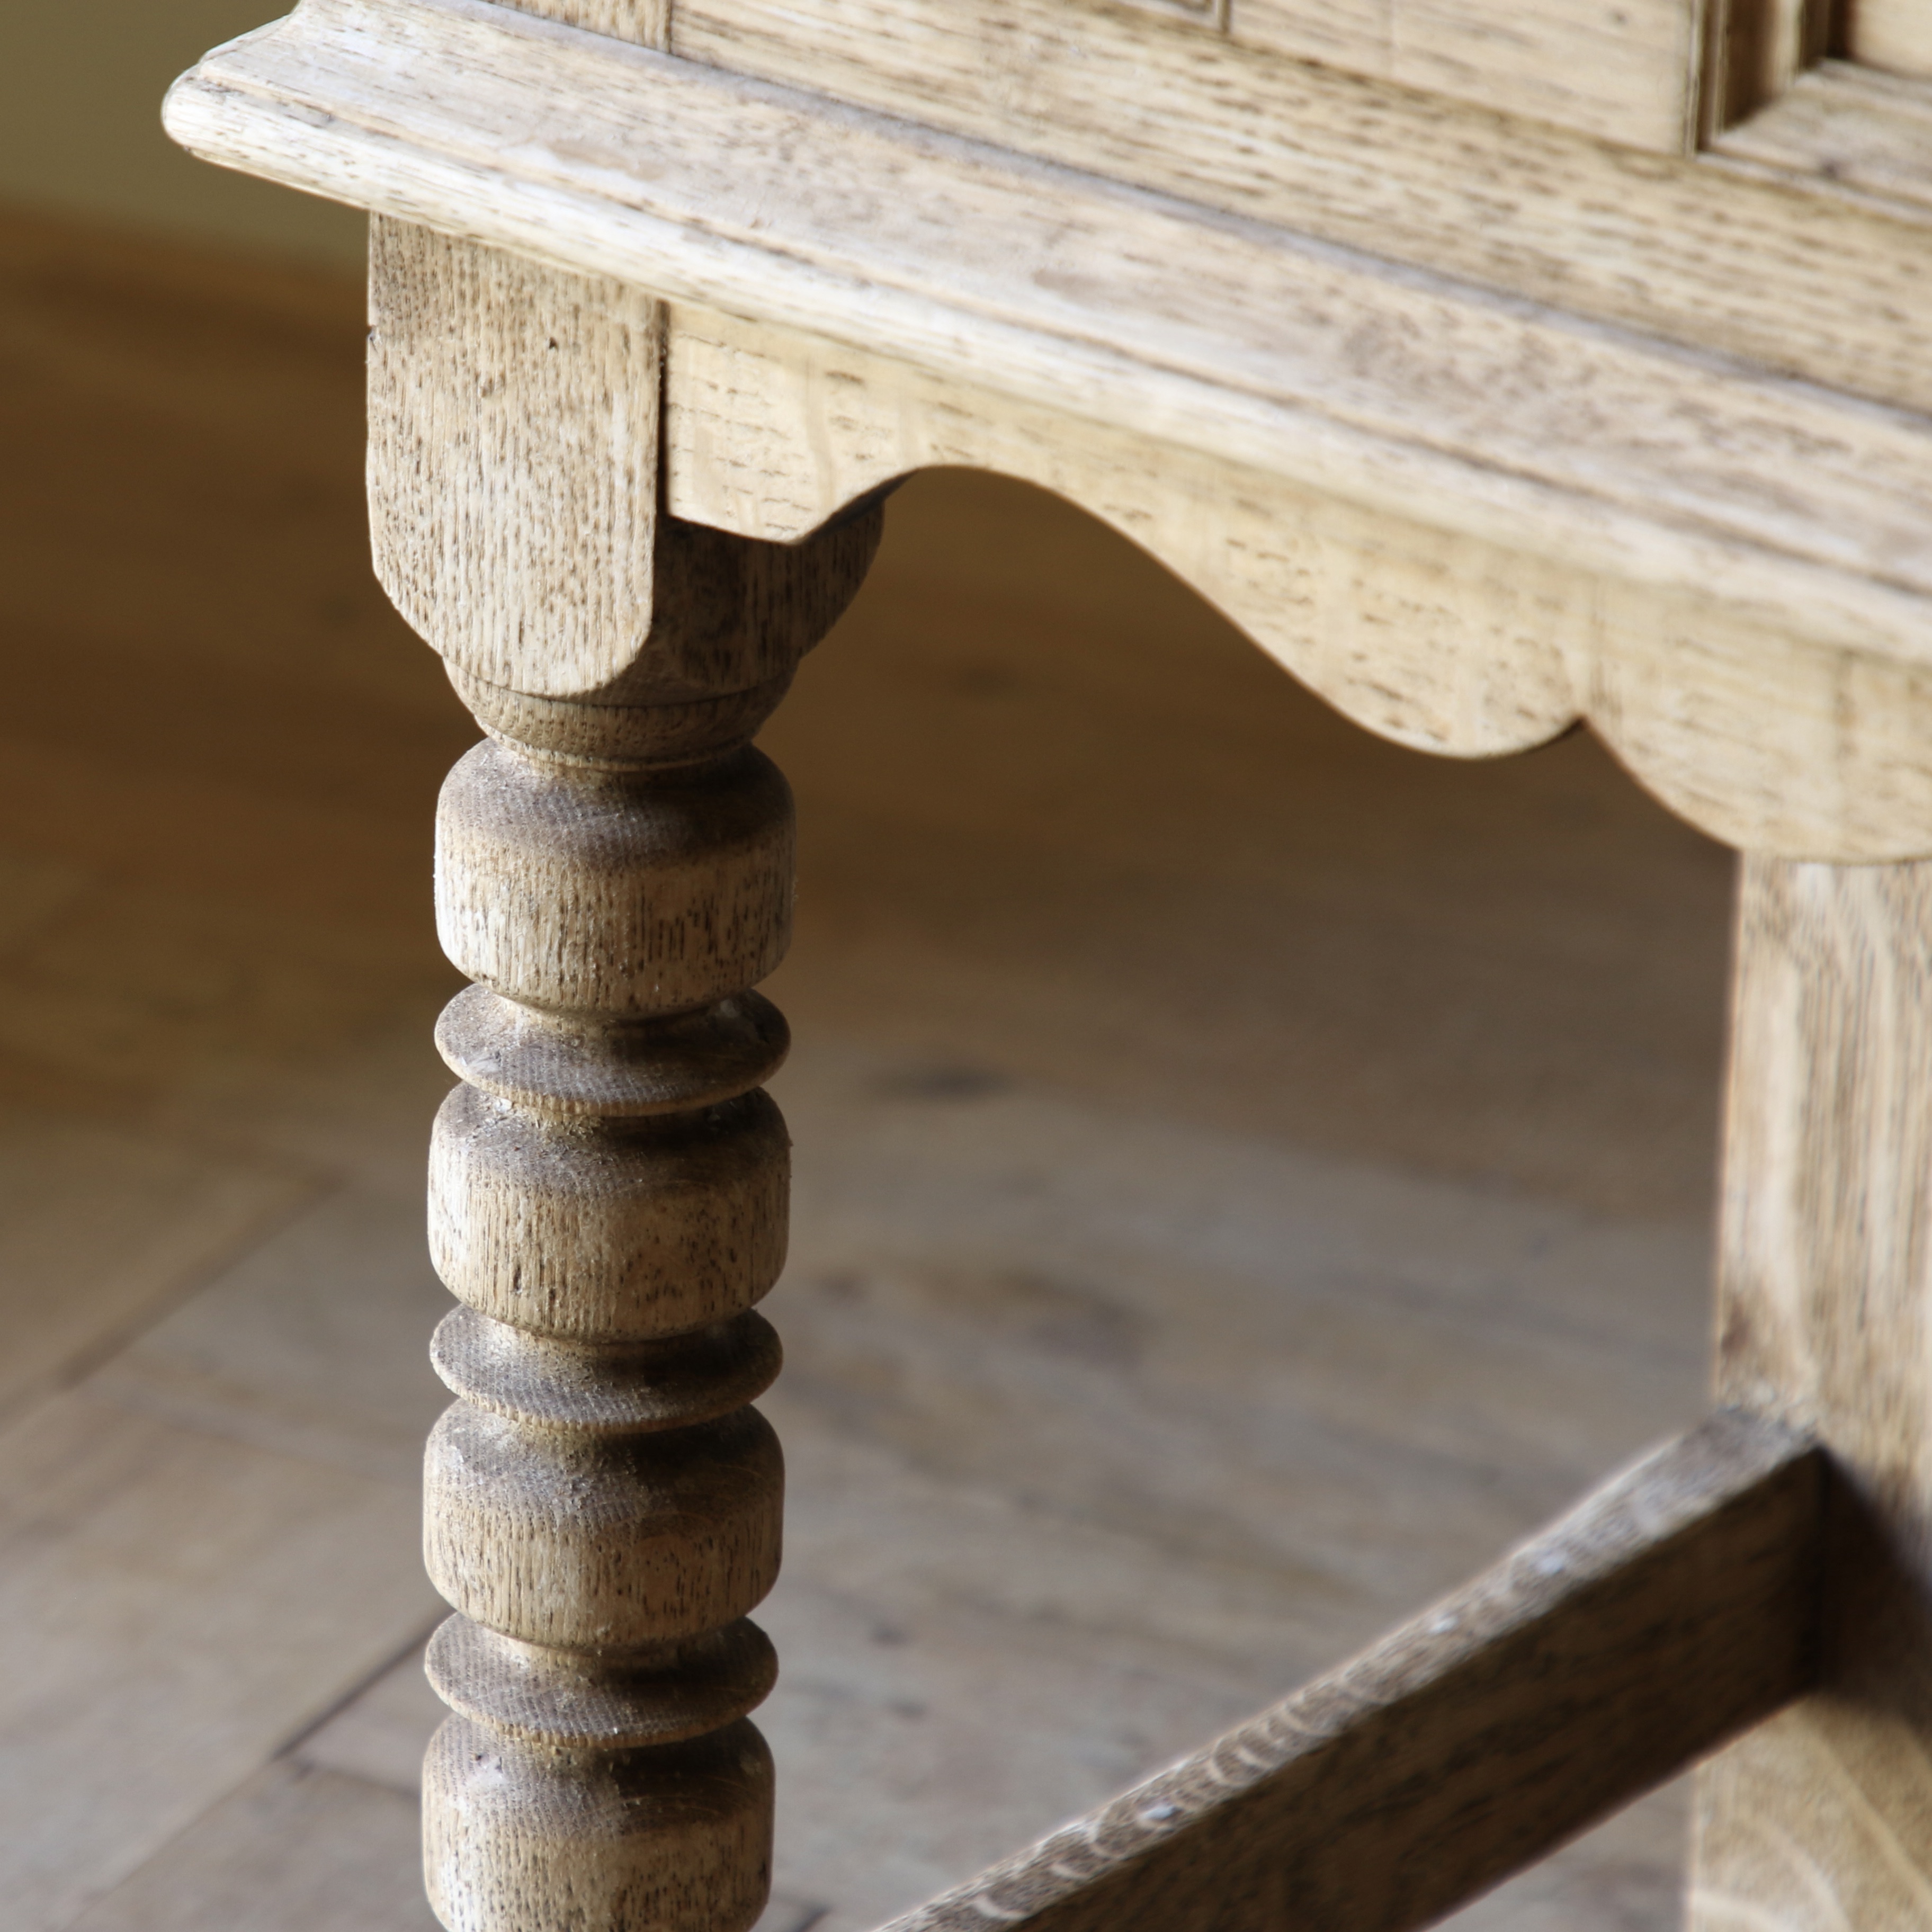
(1821, 1819)
(608, 1184)
(607, 1202)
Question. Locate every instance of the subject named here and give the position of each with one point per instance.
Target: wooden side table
(1494, 364)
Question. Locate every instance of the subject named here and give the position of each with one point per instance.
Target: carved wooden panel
(1626, 69)
(1754, 50)
(1861, 130)
(1894, 34)
(1203, 13)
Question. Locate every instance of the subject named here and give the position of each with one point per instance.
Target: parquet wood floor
(1247, 1173)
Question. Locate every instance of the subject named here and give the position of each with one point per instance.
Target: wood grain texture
(614, 1232)
(1755, 517)
(640, 893)
(1894, 34)
(513, 481)
(601, 1505)
(1669, 1610)
(1755, 51)
(1441, 642)
(1841, 123)
(1824, 1817)
(1413, 396)
(608, 1189)
(185, 1600)
(1790, 274)
(647, 23)
(1626, 72)
(513, 484)
(1209, 13)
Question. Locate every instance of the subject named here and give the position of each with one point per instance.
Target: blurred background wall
(80, 132)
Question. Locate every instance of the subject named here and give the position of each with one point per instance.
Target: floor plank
(174, 1606)
(101, 1231)
(380, 1734)
(315, 1344)
(1104, 1432)
(292, 1850)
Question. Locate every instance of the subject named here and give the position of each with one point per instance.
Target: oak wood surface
(1821, 1817)
(513, 455)
(1441, 641)
(602, 1552)
(1856, 126)
(522, 539)
(1893, 34)
(1054, 289)
(601, 1505)
(1786, 271)
(1628, 74)
(1753, 51)
(1671, 1610)
(1753, 649)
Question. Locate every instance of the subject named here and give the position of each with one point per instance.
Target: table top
(1615, 422)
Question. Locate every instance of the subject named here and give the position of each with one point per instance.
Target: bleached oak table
(1494, 363)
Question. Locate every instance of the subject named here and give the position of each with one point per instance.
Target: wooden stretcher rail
(1669, 1610)
(1391, 385)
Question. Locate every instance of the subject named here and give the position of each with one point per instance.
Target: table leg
(1822, 1818)
(608, 1201)
(608, 1185)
